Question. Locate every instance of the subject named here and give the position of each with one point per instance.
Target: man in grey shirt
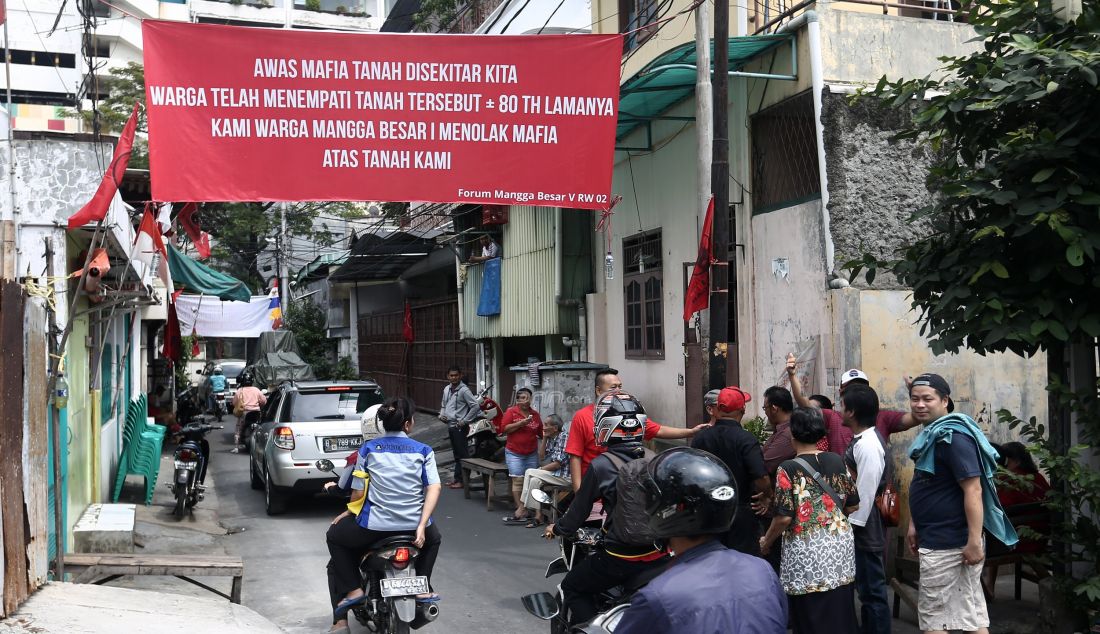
(458, 409)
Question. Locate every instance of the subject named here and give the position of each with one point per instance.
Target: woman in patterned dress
(818, 567)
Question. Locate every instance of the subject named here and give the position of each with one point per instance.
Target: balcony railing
(769, 15)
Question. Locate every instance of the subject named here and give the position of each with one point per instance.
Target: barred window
(643, 302)
(784, 155)
(637, 19)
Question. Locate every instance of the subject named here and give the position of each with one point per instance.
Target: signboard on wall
(250, 114)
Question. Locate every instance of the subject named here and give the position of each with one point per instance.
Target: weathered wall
(875, 182)
(792, 306)
(859, 47)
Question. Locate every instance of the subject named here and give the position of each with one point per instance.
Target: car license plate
(404, 586)
(342, 442)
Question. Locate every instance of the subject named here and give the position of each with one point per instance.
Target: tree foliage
(1007, 255)
(1010, 258)
(307, 321)
(124, 86)
(435, 14)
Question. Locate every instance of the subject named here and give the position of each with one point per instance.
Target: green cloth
(199, 278)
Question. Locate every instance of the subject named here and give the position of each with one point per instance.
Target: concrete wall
(788, 271)
(875, 182)
(859, 47)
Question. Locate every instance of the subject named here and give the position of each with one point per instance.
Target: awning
(374, 257)
(321, 265)
(199, 278)
(650, 93)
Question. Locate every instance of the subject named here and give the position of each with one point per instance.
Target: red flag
(96, 208)
(408, 335)
(697, 297)
(172, 340)
(199, 238)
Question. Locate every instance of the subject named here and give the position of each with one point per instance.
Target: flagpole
(11, 147)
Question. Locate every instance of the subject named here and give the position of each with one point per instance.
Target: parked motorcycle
(190, 458)
(611, 604)
(482, 439)
(389, 579)
(187, 405)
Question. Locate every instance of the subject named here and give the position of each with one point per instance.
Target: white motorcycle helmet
(371, 425)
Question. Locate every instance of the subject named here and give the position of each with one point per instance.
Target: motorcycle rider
(691, 500)
(251, 400)
(215, 384)
(400, 499)
(620, 422)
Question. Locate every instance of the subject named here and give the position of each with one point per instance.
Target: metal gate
(417, 370)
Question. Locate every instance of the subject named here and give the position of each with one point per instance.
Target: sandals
(536, 522)
(454, 485)
(513, 520)
(342, 608)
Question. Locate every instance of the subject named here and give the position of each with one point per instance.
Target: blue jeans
(518, 464)
(871, 589)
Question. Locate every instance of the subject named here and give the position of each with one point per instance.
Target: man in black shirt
(739, 449)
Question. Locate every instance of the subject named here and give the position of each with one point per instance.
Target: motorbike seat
(638, 581)
(389, 541)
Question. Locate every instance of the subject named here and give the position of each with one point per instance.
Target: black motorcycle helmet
(689, 492)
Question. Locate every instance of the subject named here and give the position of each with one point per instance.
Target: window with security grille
(784, 155)
(643, 304)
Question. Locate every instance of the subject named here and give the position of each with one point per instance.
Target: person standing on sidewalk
(951, 500)
(740, 451)
(523, 426)
(458, 409)
(866, 460)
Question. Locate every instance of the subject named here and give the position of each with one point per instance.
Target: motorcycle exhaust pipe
(425, 613)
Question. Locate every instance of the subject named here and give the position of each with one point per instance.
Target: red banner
(248, 114)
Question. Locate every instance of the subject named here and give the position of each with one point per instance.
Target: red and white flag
(96, 208)
(199, 238)
(149, 247)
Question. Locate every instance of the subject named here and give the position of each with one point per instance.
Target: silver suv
(305, 422)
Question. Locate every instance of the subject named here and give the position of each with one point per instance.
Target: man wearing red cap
(740, 450)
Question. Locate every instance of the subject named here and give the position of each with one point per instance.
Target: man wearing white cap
(888, 421)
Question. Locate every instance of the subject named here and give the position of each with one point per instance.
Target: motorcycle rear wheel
(396, 625)
(181, 501)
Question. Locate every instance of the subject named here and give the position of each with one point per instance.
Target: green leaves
(1016, 170)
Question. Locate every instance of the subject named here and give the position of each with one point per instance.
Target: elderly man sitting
(554, 471)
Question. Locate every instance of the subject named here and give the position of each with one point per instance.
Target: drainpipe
(580, 344)
(461, 303)
(817, 83)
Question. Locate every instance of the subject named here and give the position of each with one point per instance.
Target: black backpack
(629, 520)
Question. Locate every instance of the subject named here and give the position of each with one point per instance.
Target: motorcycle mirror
(325, 465)
(542, 497)
(542, 605)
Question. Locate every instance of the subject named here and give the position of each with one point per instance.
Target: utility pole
(704, 110)
(11, 232)
(284, 265)
(720, 187)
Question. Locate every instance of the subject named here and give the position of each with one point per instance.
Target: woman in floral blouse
(818, 567)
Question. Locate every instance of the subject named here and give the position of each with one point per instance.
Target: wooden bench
(488, 471)
(88, 567)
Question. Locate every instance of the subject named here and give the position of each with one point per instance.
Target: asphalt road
(483, 568)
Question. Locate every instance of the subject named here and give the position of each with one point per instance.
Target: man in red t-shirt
(888, 421)
(582, 447)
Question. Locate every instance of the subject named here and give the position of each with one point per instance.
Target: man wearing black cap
(740, 450)
(952, 498)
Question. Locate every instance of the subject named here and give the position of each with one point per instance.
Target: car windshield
(335, 403)
(232, 371)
